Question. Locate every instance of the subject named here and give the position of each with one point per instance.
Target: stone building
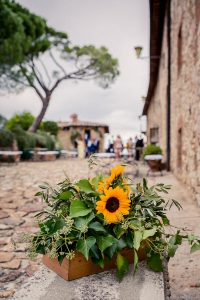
(72, 130)
(172, 104)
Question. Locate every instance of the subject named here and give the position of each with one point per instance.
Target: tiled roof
(82, 124)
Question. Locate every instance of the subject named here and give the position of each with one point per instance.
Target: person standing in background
(130, 147)
(81, 148)
(118, 146)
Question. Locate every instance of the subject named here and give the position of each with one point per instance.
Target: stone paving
(18, 205)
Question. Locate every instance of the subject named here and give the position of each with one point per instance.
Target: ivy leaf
(60, 259)
(81, 221)
(59, 224)
(194, 248)
(85, 186)
(84, 245)
(129, 240)
(149, 232)
(122, 266)
(138, 236)
(78, 209)
(118, 231)
(97, 226)
(65, 195)
(154, 262)
(94, 252)
(100, 261)
(104, 242)
(116, 246)
(135, 263)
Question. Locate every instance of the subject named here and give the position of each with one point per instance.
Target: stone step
(46, 285)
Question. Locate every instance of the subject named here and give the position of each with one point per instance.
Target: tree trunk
(40, 117)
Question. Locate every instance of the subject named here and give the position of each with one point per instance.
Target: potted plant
(153, 155)
(8, 148)
(94, 224)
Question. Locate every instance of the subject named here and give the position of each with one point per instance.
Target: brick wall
(185, 93)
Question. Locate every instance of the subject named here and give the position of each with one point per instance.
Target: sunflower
(113, 205)
(115, 172)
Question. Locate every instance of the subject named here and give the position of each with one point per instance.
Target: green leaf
(145, 187)
(194, 248)
(138, 236)
(94, 252)
(60, 259)
(79, 209)
(165, 220)
(148, 233)
(80, 221)
(154, 262)
(135, 263)
(100, 261)
(104, 242)
(59, 224)
(97, 226)
(95, 181)
(85, 186)
(129, 240)
(172, 250)
(118, 230)
(116, 246)
(122, 266)
(65, 195)
(84, 245)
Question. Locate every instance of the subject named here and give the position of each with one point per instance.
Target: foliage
(152, 149)
(50, 126)
(71, 222)
(25, 140)
(2, 121)
(26, 39)
(6, 138)
(28, 140)
(24, 120)
(75, 135)
(45, 140)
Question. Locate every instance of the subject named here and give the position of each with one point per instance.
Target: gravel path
(19, 183)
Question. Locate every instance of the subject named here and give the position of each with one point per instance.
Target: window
(154, 135)
(179, 149)
(179, 54)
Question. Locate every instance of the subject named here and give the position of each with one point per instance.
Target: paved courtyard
(19, 183)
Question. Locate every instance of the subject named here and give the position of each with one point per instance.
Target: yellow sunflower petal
(113, 205)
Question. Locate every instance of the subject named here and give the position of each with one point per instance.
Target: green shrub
(152, 149)
(25, 140)
(23, 120)
(6, 138)
(2, 121)
(50, 126)
(45, 140)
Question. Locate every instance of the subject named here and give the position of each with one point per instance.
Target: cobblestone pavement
(19, 183)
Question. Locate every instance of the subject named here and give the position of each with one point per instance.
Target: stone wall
(156, 116)
(64, 136)
(185, 93)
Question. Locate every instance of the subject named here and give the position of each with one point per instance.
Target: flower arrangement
(101, 216)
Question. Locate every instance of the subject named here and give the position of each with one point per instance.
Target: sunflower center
(112, 204)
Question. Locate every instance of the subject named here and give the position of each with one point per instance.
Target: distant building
(70, 131)
(172, 105)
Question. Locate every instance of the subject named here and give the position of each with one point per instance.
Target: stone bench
(10, 156)
(46, 285)
(45, 155)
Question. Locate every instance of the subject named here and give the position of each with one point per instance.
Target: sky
(118, 25)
